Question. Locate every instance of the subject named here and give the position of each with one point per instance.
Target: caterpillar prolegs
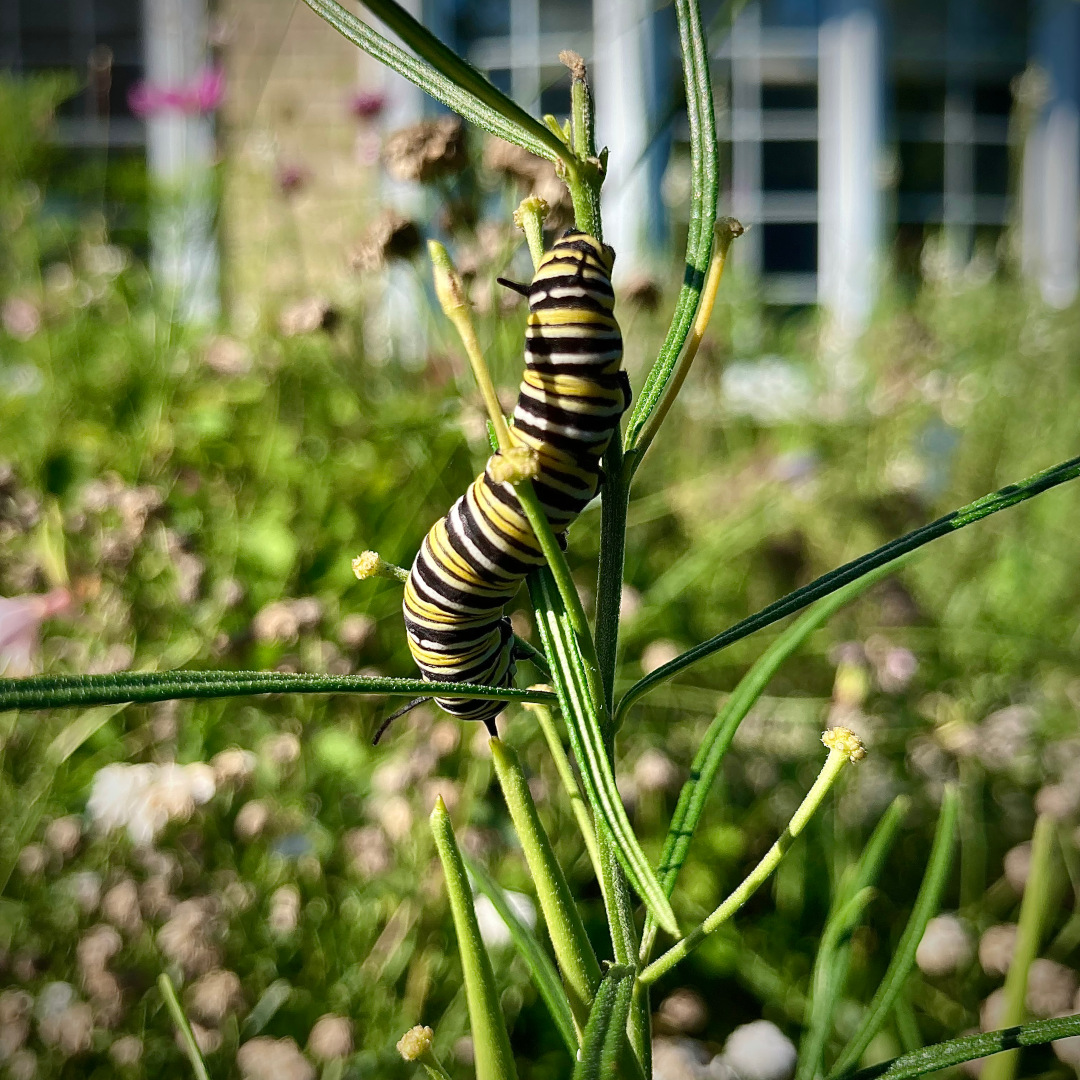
(572, 395)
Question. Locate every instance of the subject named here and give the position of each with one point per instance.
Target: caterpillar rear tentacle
(571, 399)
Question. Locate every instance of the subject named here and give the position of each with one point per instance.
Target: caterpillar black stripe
(572, 395)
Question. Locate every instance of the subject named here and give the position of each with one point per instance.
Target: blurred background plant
(189, 497)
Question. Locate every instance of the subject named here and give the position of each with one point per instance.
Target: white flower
(145, 798)
(770, 390)
(946, 946)
(759, 1051)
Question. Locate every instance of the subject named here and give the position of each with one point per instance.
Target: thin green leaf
(704, 172)
(456, 84)
(852, 571)
(573, 950)
(191, 1047)
(605, 1033)
(833, 958)
(956, 1051)
(544, 976)
(491, 1043)
(926, 905)
(78, 731)
(1030, 930)
(827, 981)
(461, 73)
(67, 691)
(587, 742)
(717, 740)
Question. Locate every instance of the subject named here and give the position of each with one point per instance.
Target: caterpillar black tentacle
(572, 396)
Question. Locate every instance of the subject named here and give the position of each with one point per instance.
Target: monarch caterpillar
(572, 395)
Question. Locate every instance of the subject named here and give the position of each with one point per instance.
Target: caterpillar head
(604, 252)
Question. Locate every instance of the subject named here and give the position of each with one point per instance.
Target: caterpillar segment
(572, 396)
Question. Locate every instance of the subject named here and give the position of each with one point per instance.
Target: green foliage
(201, 496)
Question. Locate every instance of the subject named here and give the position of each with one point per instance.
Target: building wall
(301, 176)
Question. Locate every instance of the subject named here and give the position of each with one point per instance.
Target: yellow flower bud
(845, 740)
(513, 465)
(369, 564)
(415, 1043)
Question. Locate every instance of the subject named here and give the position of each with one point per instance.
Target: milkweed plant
(598, 997)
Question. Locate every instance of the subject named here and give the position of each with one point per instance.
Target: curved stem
(68, 691)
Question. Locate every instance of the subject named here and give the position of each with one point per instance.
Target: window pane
(789, 249)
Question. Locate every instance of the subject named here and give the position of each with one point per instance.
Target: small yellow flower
(415, 1043)
(513, 465)
(845, 740)
(369, 564)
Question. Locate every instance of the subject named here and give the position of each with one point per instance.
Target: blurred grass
(183, 482)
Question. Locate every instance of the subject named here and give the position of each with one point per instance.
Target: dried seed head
(415, 1043)
(426, 151)
(390, 236)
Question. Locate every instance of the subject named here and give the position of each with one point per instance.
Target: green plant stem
(529, 218)
(851, 571)
(587, 740)
(721, 732)
(587, 176)
(491, 1043)
(191, 1047)
(835, 763)
(573, 951)
(578, 805)
(605, 1033)
(956, 1051)
(704, 186)
(560, 571)
(67, 691)
(1029, 934)
(725, 232)
(620, 914)
(903, 959)
(613, 506)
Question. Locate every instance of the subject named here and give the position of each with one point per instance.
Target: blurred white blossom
(493, 930)
(145, 798)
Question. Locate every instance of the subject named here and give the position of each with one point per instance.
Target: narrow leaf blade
(491, 1043)
(587, 742)
(544, 976)
(926, 905)
(605, 1032)
(67, 691)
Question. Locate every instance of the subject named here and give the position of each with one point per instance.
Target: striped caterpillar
(572, 395)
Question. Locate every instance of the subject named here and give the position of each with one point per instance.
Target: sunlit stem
(577, 961)
(529, 218)
(191, 1047)
(844, 747)
(725, 231)
(578, 804)
(1029, 934)
(451, 293)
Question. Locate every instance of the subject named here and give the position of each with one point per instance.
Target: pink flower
(20, 624)
(367, 104)
(202, 94)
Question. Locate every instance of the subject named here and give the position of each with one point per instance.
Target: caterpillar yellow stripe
(572, 396)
